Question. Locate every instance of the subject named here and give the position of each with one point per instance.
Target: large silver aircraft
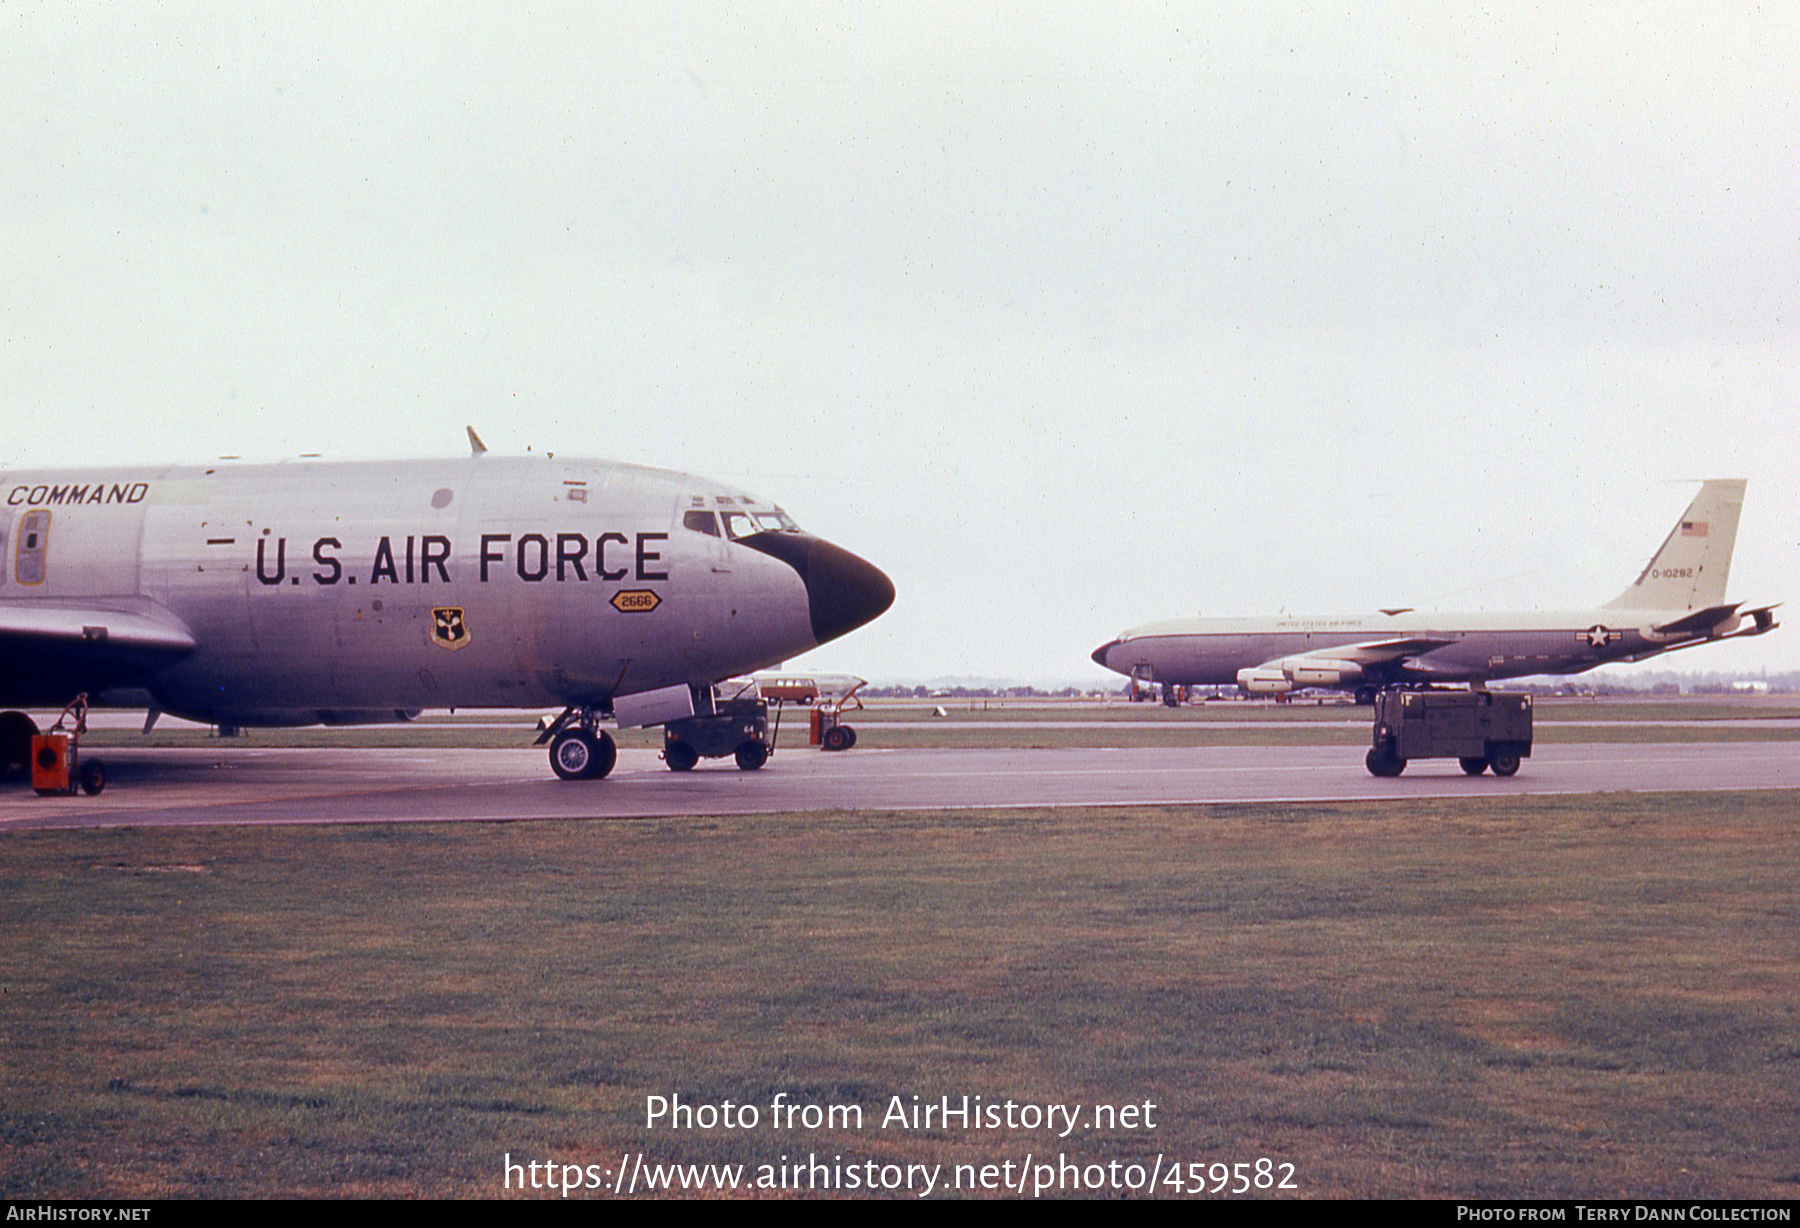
(1677, 601)
(345, 593)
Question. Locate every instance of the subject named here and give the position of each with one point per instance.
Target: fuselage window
(701, 522)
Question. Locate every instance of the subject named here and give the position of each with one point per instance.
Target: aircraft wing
(1381, 652)
(1369, 653)
(1341, 665)
(49, 653)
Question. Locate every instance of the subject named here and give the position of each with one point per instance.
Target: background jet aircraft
(1676, 602)
(310, 592)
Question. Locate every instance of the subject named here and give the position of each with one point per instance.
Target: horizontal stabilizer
(1699, 620)
(1764, 619)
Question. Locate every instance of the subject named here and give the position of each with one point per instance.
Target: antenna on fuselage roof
(476, 447)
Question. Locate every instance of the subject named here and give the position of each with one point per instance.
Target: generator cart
(827, 696)
(736, 725)
(57, 768)
(827, 729)
(1479, 729)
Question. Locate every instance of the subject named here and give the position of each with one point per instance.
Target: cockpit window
(739, 517)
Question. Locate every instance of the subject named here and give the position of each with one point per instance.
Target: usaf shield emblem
(448, 629)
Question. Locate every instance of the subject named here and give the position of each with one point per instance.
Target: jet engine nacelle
(1291, 672)
(1313, 671)
(1263, 681)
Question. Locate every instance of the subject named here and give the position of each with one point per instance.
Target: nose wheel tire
(577, 754)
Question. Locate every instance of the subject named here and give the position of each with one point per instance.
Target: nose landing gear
(579, 748)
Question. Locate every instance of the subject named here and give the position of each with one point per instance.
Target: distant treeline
(1656, 684)
(984, 692)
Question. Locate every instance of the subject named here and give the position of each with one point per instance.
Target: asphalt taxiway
(212, 785)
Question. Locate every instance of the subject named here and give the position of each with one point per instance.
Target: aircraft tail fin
(1689, 570)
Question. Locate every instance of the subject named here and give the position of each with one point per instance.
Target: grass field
(1497, 997)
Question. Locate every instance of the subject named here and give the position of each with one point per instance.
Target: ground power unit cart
(1480, 729)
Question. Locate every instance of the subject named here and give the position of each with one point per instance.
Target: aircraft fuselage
(1475, 647)
(308, 590)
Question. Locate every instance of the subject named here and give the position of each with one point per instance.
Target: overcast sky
(1067, 316)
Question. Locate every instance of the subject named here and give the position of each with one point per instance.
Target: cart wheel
(852, 732)
(1504, 762)
(93, 776)
(838, 737)
(1473, 765)
(680, 756)
(752, 755)
(1382, 761)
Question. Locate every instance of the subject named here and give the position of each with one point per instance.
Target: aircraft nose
(842, 591)
(1100, 652)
